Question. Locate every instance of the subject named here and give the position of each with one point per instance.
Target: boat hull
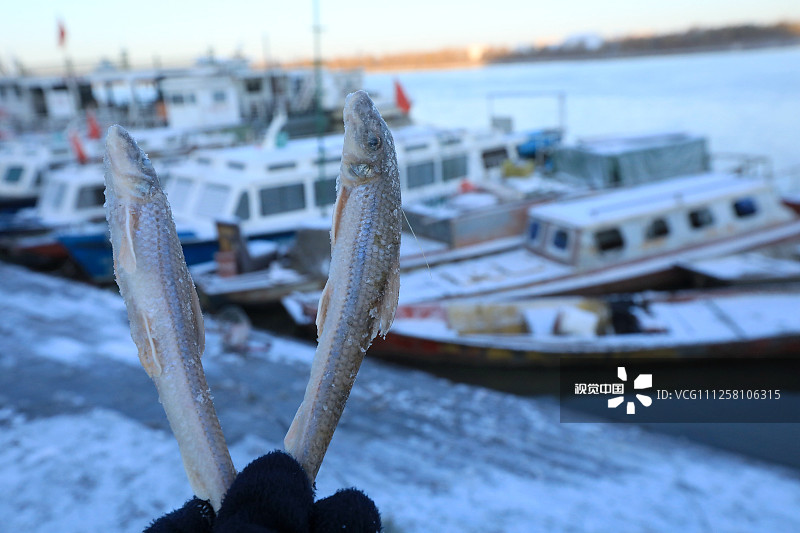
(407, 349)
(92, 252)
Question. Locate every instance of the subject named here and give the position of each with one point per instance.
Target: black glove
(273, 495)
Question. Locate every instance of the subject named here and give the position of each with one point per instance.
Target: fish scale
(360, 296)
(164, 312)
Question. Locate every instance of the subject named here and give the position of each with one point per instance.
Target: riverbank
(84, 445)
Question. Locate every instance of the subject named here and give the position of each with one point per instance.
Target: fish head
(128, 171)
(368, 151)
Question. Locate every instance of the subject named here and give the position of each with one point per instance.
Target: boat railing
(787, 181)
(559, 96)
(744, 165)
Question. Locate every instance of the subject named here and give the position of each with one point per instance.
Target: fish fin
(389, 303)
(126, 257)
(322, 309)
(199, 327)
(148, 352)
(338, 210)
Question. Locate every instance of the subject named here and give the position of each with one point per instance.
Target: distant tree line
(695, 39)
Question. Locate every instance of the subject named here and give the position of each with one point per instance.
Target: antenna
(318, 118)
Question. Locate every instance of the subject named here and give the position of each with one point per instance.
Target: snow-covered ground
(85, 447)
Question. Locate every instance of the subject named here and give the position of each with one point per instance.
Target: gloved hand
(273, 495)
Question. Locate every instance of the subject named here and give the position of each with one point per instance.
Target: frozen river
(743, 101)
(84, 445)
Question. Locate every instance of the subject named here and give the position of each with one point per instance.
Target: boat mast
(318, 118)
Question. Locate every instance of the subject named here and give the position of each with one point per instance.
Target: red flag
(400, 97)
(62, 33)
(92, 125)
(77, 147)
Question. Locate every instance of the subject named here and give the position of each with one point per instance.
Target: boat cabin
(72, 194)
(616, 161)
(23, 168)
(275, 190)
(653, 219)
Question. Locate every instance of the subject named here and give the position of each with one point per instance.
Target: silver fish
(164, 312)
(360, 297)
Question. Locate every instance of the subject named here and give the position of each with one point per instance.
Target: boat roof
(643, 199)
(91, 173)
(618, 144)
(297, 150)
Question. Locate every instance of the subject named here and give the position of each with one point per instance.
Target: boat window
(609, 240)
(90, 197)
(745, 207)
(176, 99)
(328, 159)
(420, 174)
(657, 228)
(281, 166)
(243, 207)
(560, 239)
(325, 191)
(236, 165)
(282, 199)
(534, 231)
(2, 91)
(253, 85)
(13, 174)
(54, 195)
(39, 179)
(203, 161)
(700, 218)
(220, 96)
(454, 168)
(179, 193)
(494, 158)
(213, 199)
(415, 147)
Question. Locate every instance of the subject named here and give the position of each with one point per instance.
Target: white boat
(622, 240)
(72, 196)
(25, 164)
(273, 191)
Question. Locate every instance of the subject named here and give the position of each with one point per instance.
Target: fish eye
(373, 141)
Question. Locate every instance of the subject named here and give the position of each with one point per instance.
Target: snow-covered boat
(618, 241)
(273, 191)
(476, 221)
(25, 164)
(691, 324)
(72, 196)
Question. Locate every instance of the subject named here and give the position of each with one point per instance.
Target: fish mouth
(357, 105)
(124, 157)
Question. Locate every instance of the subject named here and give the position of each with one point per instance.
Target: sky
(181, 30)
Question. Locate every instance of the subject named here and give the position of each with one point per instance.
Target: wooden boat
(692, 324)
(619, 241)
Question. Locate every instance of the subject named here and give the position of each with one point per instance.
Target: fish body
(360, 297)
(164, 311)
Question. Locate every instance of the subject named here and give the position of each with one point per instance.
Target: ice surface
(427, 451)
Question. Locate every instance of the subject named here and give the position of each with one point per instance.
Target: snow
(751, 266)
(433, 455)
(620, 204)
